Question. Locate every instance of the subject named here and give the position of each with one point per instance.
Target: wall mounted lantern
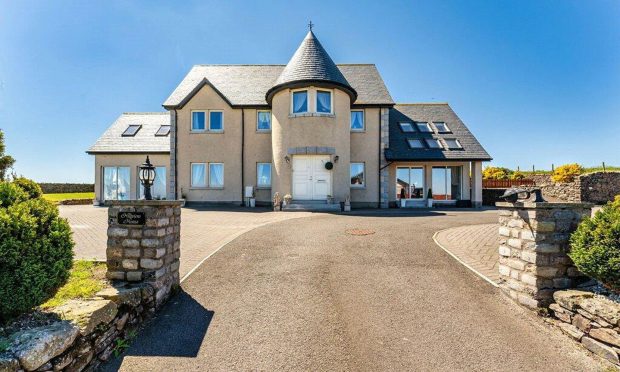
(287, 159)
(147, 177)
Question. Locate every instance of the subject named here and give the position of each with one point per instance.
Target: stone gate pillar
(144, 243)
(534, 242)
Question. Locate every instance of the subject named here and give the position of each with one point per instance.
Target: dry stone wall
(598, 187)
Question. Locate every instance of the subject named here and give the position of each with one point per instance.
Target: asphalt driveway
(304, 294)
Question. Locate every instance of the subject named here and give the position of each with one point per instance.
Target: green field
(73, 195)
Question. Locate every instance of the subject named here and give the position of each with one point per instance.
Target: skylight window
(424, 127)
(453, 143)
(433, 143)
(415, 143)
(406, 127)
(441, 127)
(131, 130)
(163, 131)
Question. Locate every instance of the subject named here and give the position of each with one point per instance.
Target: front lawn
(85, 279)
(68, 196)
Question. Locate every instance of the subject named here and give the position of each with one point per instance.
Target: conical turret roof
(311, 64)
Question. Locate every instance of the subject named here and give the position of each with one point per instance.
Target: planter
(403, 203)
(347, 207)
(430, 203)
(252, 202)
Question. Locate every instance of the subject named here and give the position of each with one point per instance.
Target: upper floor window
(132, 130)
(300, 102)
(216, 121)
(441, 127)
(263, 121)
(357, 120)
(406, 127)
(199, 120)
(424, 127)
(323, 101)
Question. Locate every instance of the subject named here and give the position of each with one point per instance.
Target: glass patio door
(116, 183)
(410, 183)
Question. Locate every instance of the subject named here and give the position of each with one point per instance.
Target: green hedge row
(63, 188)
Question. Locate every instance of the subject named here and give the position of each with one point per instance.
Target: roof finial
(310, 25)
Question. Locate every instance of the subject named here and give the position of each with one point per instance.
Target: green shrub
(36, 250)
(566, 173)
(517, 175)
(595, 245)
(29, 186)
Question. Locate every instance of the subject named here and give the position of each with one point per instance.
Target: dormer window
(423, 127)
(300, 102)
(406, 127)
(163, 131)
(131, 130)
(323, 102)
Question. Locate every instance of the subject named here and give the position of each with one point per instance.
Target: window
(216, 121)
(263, 174)
(163, 131)
(300, 102)
(406, 127)
(116, 183)
(263, 121)
(410, 183)
(132, 130)
(441, 127)
(357, 120)
(158, 189)
(216, 175)
(323, 102)
(433, 143)
(453, 143)
(446, 183)
(198, 121)
(357, 175)
(423, 127)
(415, 144)
(199, 175)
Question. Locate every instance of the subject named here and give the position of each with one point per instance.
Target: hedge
(64, 188)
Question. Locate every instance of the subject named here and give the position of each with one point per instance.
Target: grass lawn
(73, 195)
(86, 279)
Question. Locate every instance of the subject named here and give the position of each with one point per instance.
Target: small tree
(566, 173)
(6, 161)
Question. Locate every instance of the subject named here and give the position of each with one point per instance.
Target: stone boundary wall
(87, 334)
(590, 319)
(63, 188)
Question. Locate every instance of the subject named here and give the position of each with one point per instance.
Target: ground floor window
(158, 190)
(447, 183)
(409, 183)
(199, 175)
(263, 174)
(357, 175)
(216, 175)
(116, 183)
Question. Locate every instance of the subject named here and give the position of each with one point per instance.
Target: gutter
(242, 154)
(176, 165)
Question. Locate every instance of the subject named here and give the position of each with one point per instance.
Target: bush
(29, 186)
(517, 176)
(496, 173)
(566, 173)
(36, 250)
(595, 245)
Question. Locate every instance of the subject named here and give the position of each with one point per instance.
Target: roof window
(131, 130)
(406, 127)
(163, 131)
(433, 143)
(423, 127)
(415, 144)
(453, 143)
(441, 127)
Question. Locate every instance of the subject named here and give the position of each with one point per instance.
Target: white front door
(311, 181)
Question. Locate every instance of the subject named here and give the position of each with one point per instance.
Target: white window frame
(427, 140)
(400, 124)
(308, 100)
(331, 101)
(209, 124)
(258, 185)
(363, 185)
(191, 175)
(258, 112)
(363, 129)
(209, 176)
(448, 130)
(425, 123)
(458, 144)
(421, 141)
(191, 121)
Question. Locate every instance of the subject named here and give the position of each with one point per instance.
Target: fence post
(603, 167)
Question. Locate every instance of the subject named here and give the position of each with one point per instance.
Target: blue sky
(538, 82)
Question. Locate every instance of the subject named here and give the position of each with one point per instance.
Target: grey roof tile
(431, 112)
(144, 141)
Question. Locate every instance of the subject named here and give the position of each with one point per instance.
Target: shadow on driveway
(181, 311)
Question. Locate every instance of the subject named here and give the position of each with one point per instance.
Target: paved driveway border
(494, 284)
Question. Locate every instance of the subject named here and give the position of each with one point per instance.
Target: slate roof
(311, 63)
(431, 112)
(247, 85)
(145, 141)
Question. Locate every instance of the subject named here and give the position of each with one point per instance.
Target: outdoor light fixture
(336, 158)
(147, 177)
(287, 159)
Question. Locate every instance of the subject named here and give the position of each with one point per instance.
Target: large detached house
(311, 128)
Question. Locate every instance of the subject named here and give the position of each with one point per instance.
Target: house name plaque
(131, 218)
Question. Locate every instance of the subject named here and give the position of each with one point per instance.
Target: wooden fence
(504, 184)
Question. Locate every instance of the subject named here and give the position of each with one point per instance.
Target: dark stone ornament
(329, 165)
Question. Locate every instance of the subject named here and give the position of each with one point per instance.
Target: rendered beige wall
(322, 131)
(257, 150)
(365, 149)
(125, 160)
(428, 166)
